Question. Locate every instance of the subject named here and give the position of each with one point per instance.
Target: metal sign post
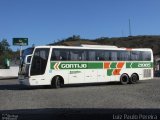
(21, 54)
(20, 42)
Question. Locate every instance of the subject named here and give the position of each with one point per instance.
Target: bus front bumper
(23, 80)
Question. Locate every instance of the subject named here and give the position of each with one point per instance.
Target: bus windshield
(25, 52)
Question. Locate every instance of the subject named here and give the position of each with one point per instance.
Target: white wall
(12, 72)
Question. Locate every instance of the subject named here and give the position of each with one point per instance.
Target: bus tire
(134, 78)
(124, 79)
(56, 82)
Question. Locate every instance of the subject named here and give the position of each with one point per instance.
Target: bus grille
(147, 73)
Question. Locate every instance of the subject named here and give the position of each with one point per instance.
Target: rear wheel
(134, 78)
(124, 79)
(56, 82)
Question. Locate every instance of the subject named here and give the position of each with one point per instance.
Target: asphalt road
(145, 94)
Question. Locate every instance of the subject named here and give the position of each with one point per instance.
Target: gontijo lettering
(73, 66)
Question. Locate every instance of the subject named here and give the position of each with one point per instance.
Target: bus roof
(100, 47)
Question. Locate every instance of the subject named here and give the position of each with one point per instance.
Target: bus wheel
(134, 78)
(56, 82)
(124, 79)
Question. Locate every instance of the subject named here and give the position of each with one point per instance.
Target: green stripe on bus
(139, 65)
(96, 65)
(113, 65)
(128, 65)
(109, 72)
(52, 65)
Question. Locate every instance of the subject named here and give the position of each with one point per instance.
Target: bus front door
(39, 65)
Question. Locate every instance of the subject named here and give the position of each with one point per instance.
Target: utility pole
(122, 33)
(130, 33)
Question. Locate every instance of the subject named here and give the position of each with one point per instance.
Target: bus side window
(80, 55)
(84, 55)
(135, 55)
(74, 54)
(114, 55)
(106, 55)
(146, 55)
(100, 55)
(92, 55)
(77, 55)
(60, 58)
(63, 55)
(87, 55)
(55, 55)
(123, 55)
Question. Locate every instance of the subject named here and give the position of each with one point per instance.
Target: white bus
(58, 65)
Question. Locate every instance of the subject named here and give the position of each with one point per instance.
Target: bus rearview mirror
(28, 59)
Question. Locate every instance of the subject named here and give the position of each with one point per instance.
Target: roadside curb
(6, 78)
(156, 78)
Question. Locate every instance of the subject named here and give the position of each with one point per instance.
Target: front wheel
(56, 82)
(124, 79)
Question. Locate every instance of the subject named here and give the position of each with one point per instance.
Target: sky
(46, 21)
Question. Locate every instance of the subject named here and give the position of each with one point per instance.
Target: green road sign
(20, 41)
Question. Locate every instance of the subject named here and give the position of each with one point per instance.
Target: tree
(4, 46)
(76, 37)
(5, 52)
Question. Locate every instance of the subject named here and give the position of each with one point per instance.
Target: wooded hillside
(152, 42)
